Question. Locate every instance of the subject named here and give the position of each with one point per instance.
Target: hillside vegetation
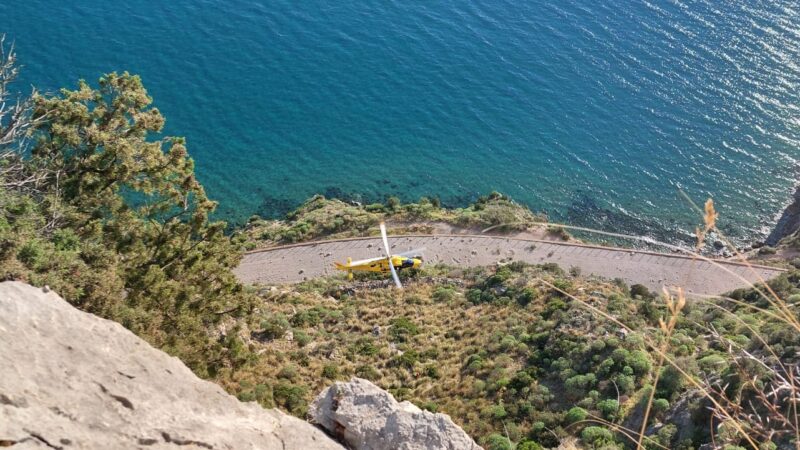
(333, 218)
(97, 204)
(514, 354)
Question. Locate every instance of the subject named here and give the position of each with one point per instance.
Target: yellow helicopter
(383, 264)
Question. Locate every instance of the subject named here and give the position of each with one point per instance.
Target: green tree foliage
(115, 220)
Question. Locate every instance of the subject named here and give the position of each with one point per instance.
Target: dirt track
(292, 264)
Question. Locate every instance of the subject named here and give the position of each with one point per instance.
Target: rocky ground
(69, 379)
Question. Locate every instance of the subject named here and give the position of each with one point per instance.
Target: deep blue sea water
(595, 111)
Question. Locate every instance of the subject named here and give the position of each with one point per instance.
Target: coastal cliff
(788, 223)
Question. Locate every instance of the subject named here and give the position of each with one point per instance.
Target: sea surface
(597, 112)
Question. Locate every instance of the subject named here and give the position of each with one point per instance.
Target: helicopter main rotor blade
(413, 253)
(389, 256)
(363, 261)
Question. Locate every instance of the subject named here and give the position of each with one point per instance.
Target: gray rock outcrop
(71, 380)
(788, 223)
(365, 417)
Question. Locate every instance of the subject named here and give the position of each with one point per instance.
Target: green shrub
(302, 338)
(660, 405)
(577, 385)
(288, 372)
(640, 290)
(66, 240)
(620, 355)
(639, 361)
(608, 408)
(713, 364)
(670, 382)
(261, 393)
(275, 327)
(32, 254)
(443, 294)
(498, 412)
(408, 359)
(665, 435)
(330, 371)
(497, 441)
(402, 329)
(529, 445)
(365, 346)
(526, 296)
(291, 397)
(430, 406)
(375, 208)
(625, 383)
(596, 436)
(521, 380)
(575, 414)
(474, 363)
(432, 371)
(393, 203)
(559, 232)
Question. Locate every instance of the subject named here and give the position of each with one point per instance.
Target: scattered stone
(365, 417)
(376, 330)
(499, 290)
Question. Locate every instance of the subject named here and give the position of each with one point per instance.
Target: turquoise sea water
(596, 112)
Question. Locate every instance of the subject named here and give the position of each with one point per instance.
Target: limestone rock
(365, 417)
(71, 380)
(788, 223)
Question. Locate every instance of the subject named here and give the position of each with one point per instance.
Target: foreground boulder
(365, 417)
(70, 380)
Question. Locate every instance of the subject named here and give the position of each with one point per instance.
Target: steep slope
(69, 379)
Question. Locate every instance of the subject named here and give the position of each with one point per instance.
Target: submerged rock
(69, 379)
(365, 417)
